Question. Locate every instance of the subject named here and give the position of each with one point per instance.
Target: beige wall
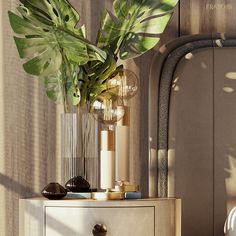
(2, 143)
(29, 127)
(202, 139)
(191, 141)
(29, 123)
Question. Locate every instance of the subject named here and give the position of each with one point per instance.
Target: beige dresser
(146, 217)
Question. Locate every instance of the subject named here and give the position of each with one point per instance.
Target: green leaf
(21, 26)
(74, 95)
(60, 12)
(29, 47)
(136, 45)
(47, 37)
(48, 30)
(72, 87)
(99, 74)
(54, 88)
(65, 18)
(135, 26)
(45, 64)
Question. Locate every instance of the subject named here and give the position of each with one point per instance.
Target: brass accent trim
(122, 186)
(107, 140)
(108, 195)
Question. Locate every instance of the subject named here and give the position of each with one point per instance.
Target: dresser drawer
(119, 221)
(144, 217)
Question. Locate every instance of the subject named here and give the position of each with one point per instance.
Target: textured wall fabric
(30, 123)
(29, 126)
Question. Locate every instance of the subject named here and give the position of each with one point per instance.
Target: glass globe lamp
(124, 84)
(108, 109)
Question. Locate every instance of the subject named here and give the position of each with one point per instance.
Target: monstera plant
(75, 70)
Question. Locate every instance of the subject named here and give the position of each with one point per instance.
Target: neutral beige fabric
(202, 139)
(2, 200)
(28, 135)
(191, 141)
(30, 124)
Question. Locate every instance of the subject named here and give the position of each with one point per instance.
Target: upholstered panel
(196, 129)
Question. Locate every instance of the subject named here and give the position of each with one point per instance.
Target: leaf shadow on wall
(21, 190)
(29, 151)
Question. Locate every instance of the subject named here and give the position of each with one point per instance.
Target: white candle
(122, 153)
(122, 147)
(107, 169)
(107, 172)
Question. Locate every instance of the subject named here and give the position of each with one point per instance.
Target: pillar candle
(107, 173)
(122, 148)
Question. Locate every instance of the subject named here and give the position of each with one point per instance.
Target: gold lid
(122, 186)
(107, 140)
(108, 195)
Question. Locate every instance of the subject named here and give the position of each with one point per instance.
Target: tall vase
(80, 146)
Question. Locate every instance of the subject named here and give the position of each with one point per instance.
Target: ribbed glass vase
(80, 146)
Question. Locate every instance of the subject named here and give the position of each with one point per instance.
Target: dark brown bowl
(54, 191)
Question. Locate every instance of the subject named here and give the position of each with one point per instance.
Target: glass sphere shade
(108, 109)
(124, 84)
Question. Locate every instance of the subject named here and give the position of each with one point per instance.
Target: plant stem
(65, 102)
(66, 108)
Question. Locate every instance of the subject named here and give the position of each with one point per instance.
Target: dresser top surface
(94, 203)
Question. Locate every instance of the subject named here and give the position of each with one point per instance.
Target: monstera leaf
(48, 27)
(54, 87)
(92, 78)
(57, 51)
(52, 44)
(135, 26)
(49, 30)
(61, 86)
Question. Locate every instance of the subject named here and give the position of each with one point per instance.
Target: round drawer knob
(99, 230)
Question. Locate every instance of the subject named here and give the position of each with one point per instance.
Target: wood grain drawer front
(127, 221)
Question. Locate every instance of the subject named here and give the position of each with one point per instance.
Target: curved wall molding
(167, 60)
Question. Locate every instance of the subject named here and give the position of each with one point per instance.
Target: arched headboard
(162, 81)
